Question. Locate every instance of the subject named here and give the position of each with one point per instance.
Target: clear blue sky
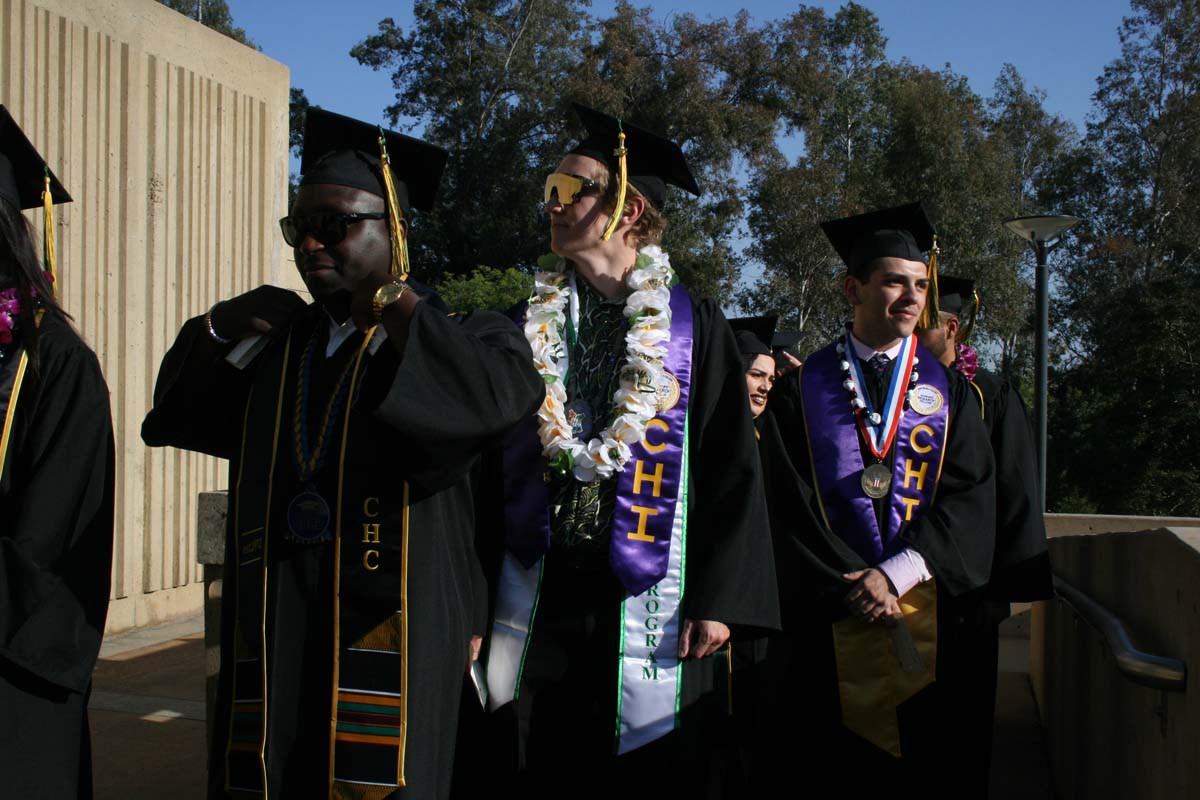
(1060, 47)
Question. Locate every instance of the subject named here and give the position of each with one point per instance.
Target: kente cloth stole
(646, 552)
(871, 681)
(369, 695)
(10, 392)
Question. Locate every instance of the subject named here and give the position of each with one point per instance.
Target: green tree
(213, 14)
(822, 73)
(492, 81)
(1127, 391)
(486, 288)
(484, 78)
(298, 107)
(875, 134)
(705, 85)
(1029, 144)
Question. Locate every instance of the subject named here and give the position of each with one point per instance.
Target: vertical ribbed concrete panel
(172, 139)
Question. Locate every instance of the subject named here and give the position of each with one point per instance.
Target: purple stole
(837, 462)
(648, 486)
(646, 553)
(873, 678)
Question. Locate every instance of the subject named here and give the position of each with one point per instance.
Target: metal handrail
(1157, 672)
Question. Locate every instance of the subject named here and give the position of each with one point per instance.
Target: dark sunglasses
(326, 227)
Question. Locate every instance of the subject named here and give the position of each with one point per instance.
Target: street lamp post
(1043, 234)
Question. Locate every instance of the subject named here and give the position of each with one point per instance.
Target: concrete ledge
(1083, 524)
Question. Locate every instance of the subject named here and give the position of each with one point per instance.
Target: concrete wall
(1109, 737)
(173, 141)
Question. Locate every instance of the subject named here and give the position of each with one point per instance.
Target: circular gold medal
(876, 480)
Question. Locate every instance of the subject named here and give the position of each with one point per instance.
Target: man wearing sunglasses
(353, 426)
(638, 479)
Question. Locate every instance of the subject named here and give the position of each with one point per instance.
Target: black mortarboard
(955, 294)
(754, 334)
(651, 161)
(902, 232)
(783, 340)
(22, 168)
(345, 151)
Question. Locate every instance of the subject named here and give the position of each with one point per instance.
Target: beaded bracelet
(212, 332)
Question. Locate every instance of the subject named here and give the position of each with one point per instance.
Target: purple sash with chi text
(648, 488)
(837, 461)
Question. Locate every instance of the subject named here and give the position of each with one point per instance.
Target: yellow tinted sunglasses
(569, 187)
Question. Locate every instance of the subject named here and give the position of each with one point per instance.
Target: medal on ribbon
(878, 428)
(308, 518)
(308, 513)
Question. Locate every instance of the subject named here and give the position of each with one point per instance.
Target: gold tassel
(964, 335)
(400, 265)
(621, 185)
(929, 316)
(49, 258)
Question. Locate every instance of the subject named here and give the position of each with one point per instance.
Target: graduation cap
(27, 182)
(785, 340)
(955, 294)
(899, 232)
(754, 334)
(348, 152)
(958, 296)
(23, 171)
(636, 156)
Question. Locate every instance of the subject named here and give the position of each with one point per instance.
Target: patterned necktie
(879, 363)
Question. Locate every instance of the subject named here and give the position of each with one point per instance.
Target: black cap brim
(785, 339)
(651, 161)
(22, 169)
(345, 151)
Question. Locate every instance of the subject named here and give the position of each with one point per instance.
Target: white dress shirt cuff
(905, 570)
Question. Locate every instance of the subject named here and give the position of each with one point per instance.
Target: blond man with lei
(636, 542)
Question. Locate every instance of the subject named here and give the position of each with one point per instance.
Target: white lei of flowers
(648, 311)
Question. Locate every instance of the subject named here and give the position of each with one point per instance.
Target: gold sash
(871, 683)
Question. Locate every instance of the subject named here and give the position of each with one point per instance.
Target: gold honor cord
(622, 185)
(48, 254)
(11, 415)
(929, 315)
(400, 265)
(12, 409)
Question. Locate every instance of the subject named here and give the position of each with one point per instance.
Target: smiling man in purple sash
(880, 483)
(635, 531)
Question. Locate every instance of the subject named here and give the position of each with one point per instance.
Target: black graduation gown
(1021, 566)
(1020, 569)
(567, 704)
(421, 419)
(799, 711)
(56, 507)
